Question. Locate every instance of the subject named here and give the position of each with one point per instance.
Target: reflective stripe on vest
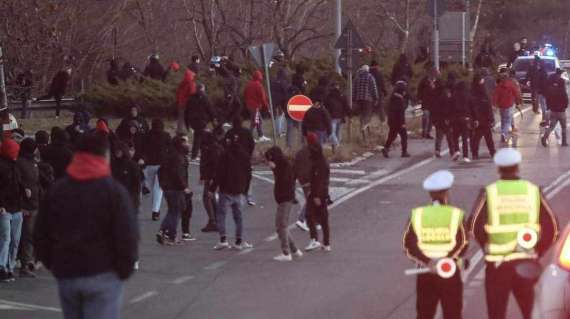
(436, 228)
(511, 206)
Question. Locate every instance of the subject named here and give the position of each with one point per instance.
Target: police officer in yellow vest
(514, 225)
(436, 232)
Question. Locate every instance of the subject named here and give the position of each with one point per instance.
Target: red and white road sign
(298, 106)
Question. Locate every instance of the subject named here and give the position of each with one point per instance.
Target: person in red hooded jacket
(505, 98)
(256, 101)
(186, 89)
(11, 200)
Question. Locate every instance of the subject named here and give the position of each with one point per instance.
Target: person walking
(402, 70)
(134, 117)
(365, 94)
(428, 89)
(173, 178)
(339, 110)
(256, 101)
(185, 90)
(441, 118)
(199, 112)
(232, 177)
(247, 143)
(87, 234)
(303, 167)
(30, 177)
(317, 203)
(504, 211)
(284, 193)
(57, 89)
(483, 118)
(380, 87)
(317, 120)
(539, 83)
(461, 121)
(211, 152)
(127, 172)
(154, 152)
(557, 103)
(434, 232)
(397, 119)
(154, 69)
(505, 98)
(11, 200)
(280, 96)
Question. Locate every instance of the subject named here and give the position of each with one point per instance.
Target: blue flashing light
(550, 52)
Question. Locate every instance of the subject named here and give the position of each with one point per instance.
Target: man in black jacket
(173, 176)
(57, 153)
(154, 69)
(317, 210)
(428, 89)
(317, 120)
(397, 119)
(198, 114)
(87, 234)
(557, 102)
(57, 89)
(381, 88)
(11, 198)
(247, 143)
(134, 117)
(338, 108)
(441, 118)
(127, 172)
(30, 175)
(233, 175)
(284, 193)
(211, 152)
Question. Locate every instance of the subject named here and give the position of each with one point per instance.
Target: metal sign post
(266, 59)
(3, 95)
(435, 36)
(338, 32)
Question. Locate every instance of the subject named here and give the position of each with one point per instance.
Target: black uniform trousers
(393, 133)
(318, 215)
(460, 130)
(442, 130)
(187, 214)
(482, 131)
(432, 289)
(500, 282)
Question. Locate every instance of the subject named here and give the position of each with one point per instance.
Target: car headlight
(564, 251)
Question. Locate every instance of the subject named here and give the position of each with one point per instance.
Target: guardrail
(42, 105)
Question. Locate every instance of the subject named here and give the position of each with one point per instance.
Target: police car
(552, 299)
(523, 64)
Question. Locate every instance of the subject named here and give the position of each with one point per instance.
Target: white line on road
(348, 171)
(146, 295)
(181, 280)
(216, 265)
(28, 306)
(339, 179)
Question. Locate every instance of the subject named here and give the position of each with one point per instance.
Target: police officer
(436, 231)
(506, 214)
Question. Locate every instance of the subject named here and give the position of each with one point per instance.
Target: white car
(552, 299)
(523, 63)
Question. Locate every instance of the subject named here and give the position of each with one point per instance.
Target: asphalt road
(361, 278)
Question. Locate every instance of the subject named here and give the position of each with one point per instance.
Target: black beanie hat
(28, 146)
(93, 143)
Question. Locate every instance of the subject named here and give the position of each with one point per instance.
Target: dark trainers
(7, 277)
(405, 154)
(544, 141)
(188, 237)
(160, 237)
(145, 190)
(155, 216)
(27, 273)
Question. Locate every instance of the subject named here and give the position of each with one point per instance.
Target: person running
(284, 193)
(211, 152)
(317, 204)
(483, 118)
(397, 119)
(256, 102)
(87, 234)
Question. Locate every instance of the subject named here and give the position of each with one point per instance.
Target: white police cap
(439, 181)
(507, 157)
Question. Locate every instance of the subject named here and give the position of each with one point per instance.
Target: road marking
(216, 265)
(12, 304)
(146, 295)
(358, 181)
(348, 171)
(339, 179)
(181, 280)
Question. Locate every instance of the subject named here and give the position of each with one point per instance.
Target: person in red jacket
(256, 100)
(506, 96)
(186, 89)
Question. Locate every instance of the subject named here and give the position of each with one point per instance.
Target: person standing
(87, 234)
(173, 177)
(134, 117)
(317, 120)
(127, 172)
(246, 142)
(461, 120)
(298, 80)
(78, 127)
(211, 152)
(402, 70)
(280, 94)
(503, 211)
(114, 73)
(256, 101)
(505, 98)
(483, 118)
(557, 103)
(441, 118)
(57, 89)
(195, 64)
(428, 90)
(154, 69)
(434, 232)
(57, 153)
(154, 152)
(380, 87)
(317, 203)
(365, 94)
(397, 119)
(185, 90)
(303, 167)
(232, 177)
(24, 82)
(199, 113)
(284, 193)
(339, 110)
(30, 177)
(11, 200)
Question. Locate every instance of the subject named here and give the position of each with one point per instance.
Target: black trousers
(441, 131)
(460, 130)
(432, 289)
(393, 133)
(499, 283)
(209, 202)
(318, 215)
(57, 97)
(26, 249)
(197, 141)
(482, 132)
(187, 214)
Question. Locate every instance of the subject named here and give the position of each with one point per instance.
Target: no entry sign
(298, 106)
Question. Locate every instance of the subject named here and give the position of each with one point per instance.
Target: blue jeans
(176, 202)
(151, 180)
(292, 126)
(10, 232)
(93, 297)
(234, 204)
(506, 121)
(336, 131)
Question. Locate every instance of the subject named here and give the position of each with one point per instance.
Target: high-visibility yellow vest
(436, 228)
(511, 206)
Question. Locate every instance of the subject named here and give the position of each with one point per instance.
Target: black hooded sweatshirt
(284, 190)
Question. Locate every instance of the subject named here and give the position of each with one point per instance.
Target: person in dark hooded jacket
(402, 70)
(127, 172)
(57, 88)
(397, 119)
(483, 118)
(211, 152)
(154, 69)
(280, 96)
(199, 112)
(317, 120)
(317, 204)
(284, 193)
(461, 120)
(30, 177)
(338, 108)
(135, 117)
(58, 154)
(79, 126)
(298, 79)
(441, 119)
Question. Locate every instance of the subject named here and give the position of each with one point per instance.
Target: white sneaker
(313, 245)
(456, 156)
(136, 265)
(302, 225)
(244, 245)
(222, 245)
(466, 160)
(264, 139)
(328, 248)
(298, 254)
(319, 227)
(283, 257)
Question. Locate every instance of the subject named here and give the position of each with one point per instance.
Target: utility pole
(4, 96)
(436, 34)
(338, 31)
